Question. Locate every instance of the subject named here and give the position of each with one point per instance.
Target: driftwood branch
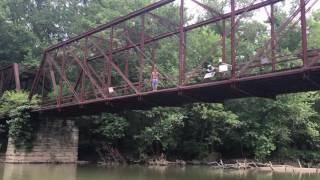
(239, 164)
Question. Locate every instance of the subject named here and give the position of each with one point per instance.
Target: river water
(73, 172)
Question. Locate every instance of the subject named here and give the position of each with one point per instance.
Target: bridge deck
(265, 85)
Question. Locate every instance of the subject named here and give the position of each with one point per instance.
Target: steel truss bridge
(108, 68)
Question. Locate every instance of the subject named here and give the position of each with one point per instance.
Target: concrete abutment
(55, 141)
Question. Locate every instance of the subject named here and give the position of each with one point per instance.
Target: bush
(110, 127)
(15, 107)
(191, 150)
(20, 126)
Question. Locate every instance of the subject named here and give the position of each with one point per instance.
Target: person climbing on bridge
(154, 78)
(210, 72)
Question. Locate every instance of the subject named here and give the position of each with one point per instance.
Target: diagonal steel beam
(36, 80)
(116, 68)
(138, 50)
(53, 78)
(70, 87)
(87, 73)
(78, 80)
(90, 68)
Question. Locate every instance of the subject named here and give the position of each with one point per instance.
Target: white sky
(260, 15)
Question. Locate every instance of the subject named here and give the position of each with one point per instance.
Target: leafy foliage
(12, 99)
(206, 126)
(163, 123)
(20, 126)
(111, 127)
(15, 107)
(268, 126)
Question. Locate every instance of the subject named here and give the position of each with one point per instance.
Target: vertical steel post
(232, 38)
(304, 32)
(224, 57)
(110, 58)
(126, 73)
(17, 76)
(53, 78)
(83, 76)
(273, 38)
(182, 55)
(43, 84)
(104, 79)
(141, 52)
(62, 76)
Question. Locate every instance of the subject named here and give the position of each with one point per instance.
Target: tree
(267, 126)
(110, 127)
(159, 130)
(205, 130)
(314, 30)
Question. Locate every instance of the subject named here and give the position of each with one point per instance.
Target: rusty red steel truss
(108, 68)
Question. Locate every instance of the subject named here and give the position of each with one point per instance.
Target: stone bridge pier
(55, 141)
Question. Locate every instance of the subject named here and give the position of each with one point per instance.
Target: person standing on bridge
(154, 78)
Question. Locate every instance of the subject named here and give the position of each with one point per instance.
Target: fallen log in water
(261, 166)
(236, 165)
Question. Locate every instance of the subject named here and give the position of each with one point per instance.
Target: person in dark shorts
(154, 78)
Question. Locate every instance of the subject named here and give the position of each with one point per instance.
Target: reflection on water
(72, 172)
(38, 172)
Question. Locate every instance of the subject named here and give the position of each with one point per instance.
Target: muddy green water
(72, 172)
